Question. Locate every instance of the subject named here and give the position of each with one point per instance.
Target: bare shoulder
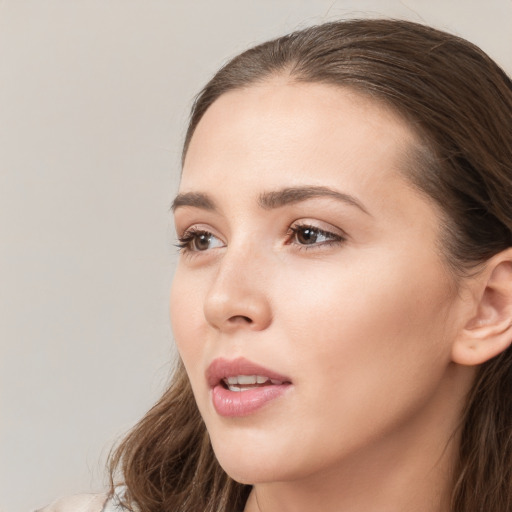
(77, 503)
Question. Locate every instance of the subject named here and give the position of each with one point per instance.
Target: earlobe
(489, 331)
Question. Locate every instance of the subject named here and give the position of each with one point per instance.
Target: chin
(250, 472)
(243, 460)
(256, 458)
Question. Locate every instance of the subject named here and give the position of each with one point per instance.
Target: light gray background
(94, 97)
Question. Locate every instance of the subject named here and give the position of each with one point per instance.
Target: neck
(411, 470)
(391, 484)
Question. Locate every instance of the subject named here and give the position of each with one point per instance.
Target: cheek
(369, 350)
(370, 326)
(186, 312)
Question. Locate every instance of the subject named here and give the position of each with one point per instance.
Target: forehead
(286, 133)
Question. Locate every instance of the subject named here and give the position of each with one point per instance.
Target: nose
(238, 296)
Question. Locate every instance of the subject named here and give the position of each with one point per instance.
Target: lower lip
(242, 403)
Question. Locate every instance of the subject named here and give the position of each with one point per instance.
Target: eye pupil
(202, 242)
(307, 236)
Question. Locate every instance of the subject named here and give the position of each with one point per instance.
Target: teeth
(236, 381)
(245, 380)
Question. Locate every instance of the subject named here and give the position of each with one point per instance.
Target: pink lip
(242, 403)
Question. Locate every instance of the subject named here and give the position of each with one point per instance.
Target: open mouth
(240, 387)
(241, 374)
(240, 383)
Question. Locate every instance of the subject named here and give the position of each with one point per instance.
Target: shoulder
(78, 503)
(89, 503)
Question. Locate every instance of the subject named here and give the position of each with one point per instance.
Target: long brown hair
(459, 103)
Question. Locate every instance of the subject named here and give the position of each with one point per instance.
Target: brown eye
(198, 241)
(201, 242)
(311, 235)
(306, 236)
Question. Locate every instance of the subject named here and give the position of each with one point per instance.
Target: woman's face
(311, 261)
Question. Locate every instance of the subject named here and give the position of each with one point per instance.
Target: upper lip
(221, 368)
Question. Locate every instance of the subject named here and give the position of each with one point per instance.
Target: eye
(310, 235)
(198, 241)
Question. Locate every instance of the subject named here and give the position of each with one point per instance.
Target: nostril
(240, 319)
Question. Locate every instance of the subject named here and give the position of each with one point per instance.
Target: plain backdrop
(94, 99)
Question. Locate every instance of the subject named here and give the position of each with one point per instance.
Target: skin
(363, 321)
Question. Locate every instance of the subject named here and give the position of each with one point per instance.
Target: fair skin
(360, 312)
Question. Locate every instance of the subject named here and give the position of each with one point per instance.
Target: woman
(343, 301)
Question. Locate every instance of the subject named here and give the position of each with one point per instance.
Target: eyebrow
(271, 200)
(291, 195)
(194, 199)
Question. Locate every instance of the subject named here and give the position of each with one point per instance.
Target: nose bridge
(238, 295)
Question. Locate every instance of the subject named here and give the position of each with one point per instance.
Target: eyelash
(185, 242)
(332, 238)
(189, 236)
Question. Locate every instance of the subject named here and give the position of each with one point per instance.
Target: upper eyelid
(193, 231)
(315, 224)
(331, 238)
(297, 227)
(324, 227)
(197, 228)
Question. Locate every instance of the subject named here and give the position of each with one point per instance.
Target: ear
(489, 331)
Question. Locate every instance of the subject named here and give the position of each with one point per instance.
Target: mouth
(241, 383)
(240, 387)
(241, 375)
